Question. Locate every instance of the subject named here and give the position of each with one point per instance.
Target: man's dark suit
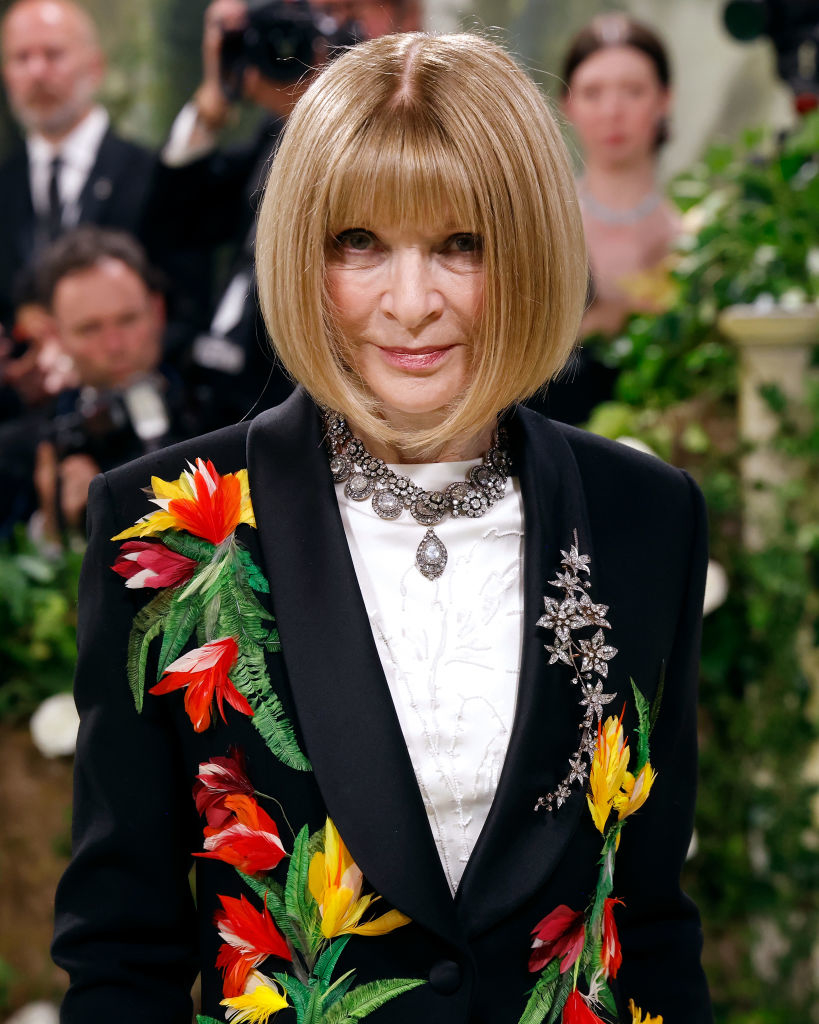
(113, 196)
(127, 928)
(210, 205)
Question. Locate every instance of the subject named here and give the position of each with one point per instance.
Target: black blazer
(126, 923)
(113, 196)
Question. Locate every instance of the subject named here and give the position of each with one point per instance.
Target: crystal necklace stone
(365, 476)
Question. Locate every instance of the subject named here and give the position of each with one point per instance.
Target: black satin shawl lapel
(351, 732)
(519, 848)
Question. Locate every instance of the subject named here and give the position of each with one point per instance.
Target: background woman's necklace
(620, 218)
(365, 476)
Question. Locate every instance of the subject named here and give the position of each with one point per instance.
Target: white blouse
(450, 647)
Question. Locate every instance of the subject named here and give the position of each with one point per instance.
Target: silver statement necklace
(365, 476)
(620, 218)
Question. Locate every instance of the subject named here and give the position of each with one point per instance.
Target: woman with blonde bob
(386, 632)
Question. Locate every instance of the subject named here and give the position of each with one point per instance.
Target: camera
(793, 27)
(282, 38)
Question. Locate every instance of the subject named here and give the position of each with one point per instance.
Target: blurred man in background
(72, 168)
(263, 54)
(123, 401)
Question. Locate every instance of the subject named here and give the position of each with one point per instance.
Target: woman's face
(616, 103)
(408, 302)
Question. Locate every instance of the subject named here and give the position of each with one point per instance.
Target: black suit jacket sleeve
(125, 919)
(660, 928)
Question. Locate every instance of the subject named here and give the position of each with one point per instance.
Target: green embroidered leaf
(249, 676)
(248, 617)
(188, 545)
(658, 700)
(301, 907)
(643, 728)
(201, 1018)
(313, 1014)
(565, 985)
(179, 624)
(606, 999)
(338, 989)
(148, 624)
(360, 1002)
(254, 574)
(326, 963)
(540, 1000)
(297, 992)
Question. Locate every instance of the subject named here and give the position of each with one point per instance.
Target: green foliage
(751, 214)
(755, 873)
(38, 625)
(542, 996)
(366, 999)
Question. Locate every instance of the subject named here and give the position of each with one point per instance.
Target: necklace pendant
(431, 556)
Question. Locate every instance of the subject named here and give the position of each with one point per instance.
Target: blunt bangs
(400, 169)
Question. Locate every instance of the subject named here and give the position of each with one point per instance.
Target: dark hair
(618, 29)
(85, 247)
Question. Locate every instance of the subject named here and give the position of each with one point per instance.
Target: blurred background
(704, 353)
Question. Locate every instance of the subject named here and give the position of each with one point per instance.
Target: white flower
(637, 445)
(40, 1012)
(54, 726)
(793, 299)
(716, 587)
(765, 254)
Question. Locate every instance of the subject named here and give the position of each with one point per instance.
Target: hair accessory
(365, 476)
(619, 218)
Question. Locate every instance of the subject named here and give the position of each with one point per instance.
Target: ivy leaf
(360, 1002)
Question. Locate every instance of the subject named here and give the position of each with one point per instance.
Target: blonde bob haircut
(423, 130)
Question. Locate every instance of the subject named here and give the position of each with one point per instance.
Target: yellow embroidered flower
(334, 880)
(608, 770)
(260, 1000)
(201, 501)
(638, 1018)
(635, 791)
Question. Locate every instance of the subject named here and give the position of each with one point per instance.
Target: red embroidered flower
(576, 1011)
(251, 843)
(204, 672)
(217, 509)
(559, 934)
(218, 778)
(144, 563)
(250, 936)
(611, 955)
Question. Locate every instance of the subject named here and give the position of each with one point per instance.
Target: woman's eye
(355, 239)
(464, 242)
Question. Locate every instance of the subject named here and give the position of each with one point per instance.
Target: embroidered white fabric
(450, 648)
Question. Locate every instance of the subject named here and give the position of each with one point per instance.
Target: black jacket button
(445, 977)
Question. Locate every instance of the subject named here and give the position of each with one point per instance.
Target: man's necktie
(55, 208)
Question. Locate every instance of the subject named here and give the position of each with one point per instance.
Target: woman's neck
(620, 188)
(457, 451)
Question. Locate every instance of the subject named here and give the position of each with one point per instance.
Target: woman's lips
(415, 358)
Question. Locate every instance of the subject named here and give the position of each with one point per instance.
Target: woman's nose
(411, 296)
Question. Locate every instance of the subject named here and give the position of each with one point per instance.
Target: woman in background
(617, 84)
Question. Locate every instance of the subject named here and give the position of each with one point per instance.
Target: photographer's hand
(67, 481)
(212, 106)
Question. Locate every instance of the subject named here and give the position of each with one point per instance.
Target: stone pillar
(774, 348)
